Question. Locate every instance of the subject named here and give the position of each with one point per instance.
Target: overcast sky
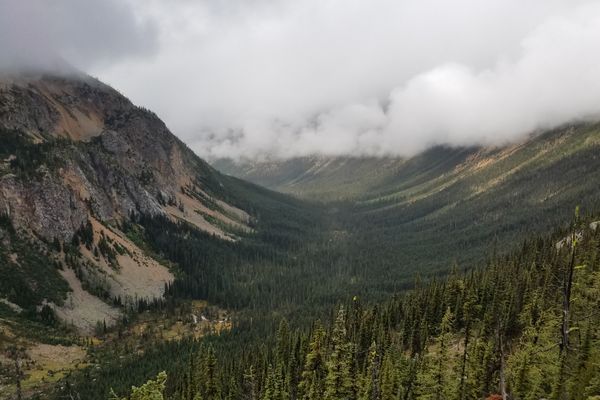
(284, 78)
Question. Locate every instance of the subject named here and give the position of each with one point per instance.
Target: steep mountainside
(115, 236)
(77, 159)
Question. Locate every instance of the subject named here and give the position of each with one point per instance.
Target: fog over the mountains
(47, 35)
(284, 78)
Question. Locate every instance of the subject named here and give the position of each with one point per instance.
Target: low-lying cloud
(285, 78)
(51, 35)
(553, 78)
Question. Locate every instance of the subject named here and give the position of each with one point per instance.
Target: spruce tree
(311, 384)
(339, 381)
(389, 376)
(151, 390)
(209, 387)
(370, 387)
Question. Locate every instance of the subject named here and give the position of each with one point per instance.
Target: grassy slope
(392, 179)
(339, 179)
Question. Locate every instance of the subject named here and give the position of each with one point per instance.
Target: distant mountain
(439, 168)
(316, 177)
(446, 204)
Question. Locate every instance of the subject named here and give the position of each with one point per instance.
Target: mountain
(78, 160)
(123, 254)
(108, 208)
(389, 179)
(317, 177)
(446, 204)
(107, 221)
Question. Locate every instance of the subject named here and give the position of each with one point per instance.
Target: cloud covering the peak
(50, 35)
(285, 78)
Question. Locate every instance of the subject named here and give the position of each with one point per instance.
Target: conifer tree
(151, 390)
(389, 376)
(209, 387)
(233, 392)
(283, 343)
(250, 384)
(370, 388)
(470, 309)
(434, 378)
(339, 381)
(312, 382)
(274, 389)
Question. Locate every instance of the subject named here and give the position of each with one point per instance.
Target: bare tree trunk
(567, 285)
(14, 354)
(464, 363)
(503, 391)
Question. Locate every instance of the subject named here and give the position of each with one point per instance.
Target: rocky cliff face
(73, 153)
(115, 159)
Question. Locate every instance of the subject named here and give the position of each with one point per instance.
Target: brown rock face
(74, 152)
(44, 206)
(116, 158)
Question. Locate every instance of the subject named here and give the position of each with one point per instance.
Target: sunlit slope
(337, 178)
(492, 200)
(342, 178)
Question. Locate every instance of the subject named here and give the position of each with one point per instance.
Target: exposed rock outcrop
(84, 155)
(118, 159)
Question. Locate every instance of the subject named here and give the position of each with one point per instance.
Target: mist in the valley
(285, 78)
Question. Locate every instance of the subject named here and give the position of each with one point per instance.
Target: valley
(136, 256)
(299, 200)
(446, 205)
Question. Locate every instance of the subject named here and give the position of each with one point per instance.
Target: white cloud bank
(50, 34)
(285, 78)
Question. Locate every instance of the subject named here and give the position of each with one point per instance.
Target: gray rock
(132, 162)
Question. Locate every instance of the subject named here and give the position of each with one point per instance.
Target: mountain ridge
(77, 153)
(354, 178)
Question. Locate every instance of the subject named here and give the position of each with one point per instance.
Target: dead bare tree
(566, 307)
(16, 354)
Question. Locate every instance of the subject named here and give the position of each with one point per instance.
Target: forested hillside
(522, 326)
(394, 179)
(445, 205)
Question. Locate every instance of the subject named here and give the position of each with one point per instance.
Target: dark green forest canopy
(470, 335)
(304, 257)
